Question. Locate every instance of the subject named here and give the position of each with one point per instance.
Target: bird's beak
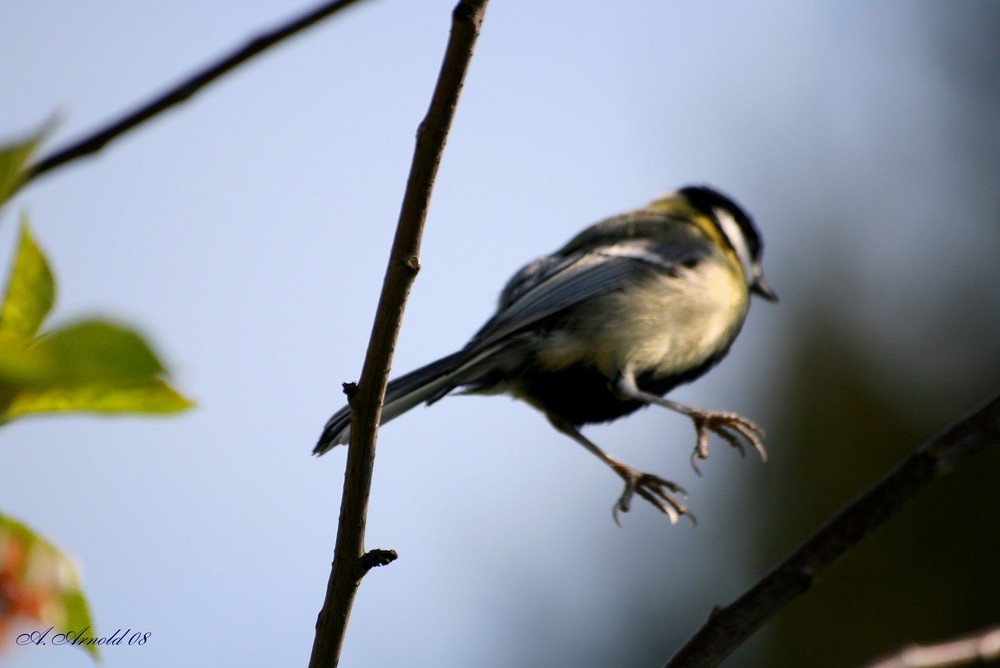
(761, 287)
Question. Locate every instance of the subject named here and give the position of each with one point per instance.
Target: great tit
(629, 309)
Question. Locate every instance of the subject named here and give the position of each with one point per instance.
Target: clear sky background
(246, 233)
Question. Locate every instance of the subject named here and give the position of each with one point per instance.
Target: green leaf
(39, 583)
(93, 351)
(93, 366)
(30, 293)
(96, 350)
(13, 159)
(154, 396)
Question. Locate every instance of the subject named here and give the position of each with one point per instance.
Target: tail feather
(428, 383)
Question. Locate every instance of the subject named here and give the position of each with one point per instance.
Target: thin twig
(978, 648)
(728, 627)
(94, 142)
(349, 562)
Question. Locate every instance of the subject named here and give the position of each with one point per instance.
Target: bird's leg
(652, 488)
(728, 426)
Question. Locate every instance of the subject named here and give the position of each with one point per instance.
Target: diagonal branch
(976, 649)
(184, 90)
(728, 627)
(350, 562)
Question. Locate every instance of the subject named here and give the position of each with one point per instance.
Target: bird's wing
(553, 284)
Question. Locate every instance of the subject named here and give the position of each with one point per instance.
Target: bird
(630, 308)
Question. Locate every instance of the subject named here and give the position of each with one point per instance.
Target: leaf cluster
(90, 365)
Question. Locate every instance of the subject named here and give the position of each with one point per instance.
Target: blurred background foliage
(876, 368)
(884, 349)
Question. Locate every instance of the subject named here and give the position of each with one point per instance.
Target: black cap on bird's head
(737, 229)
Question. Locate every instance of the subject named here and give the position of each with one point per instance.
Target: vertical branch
(349, 560)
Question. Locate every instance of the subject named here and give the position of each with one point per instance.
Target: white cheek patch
(735, 235)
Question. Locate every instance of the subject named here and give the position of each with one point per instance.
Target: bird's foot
(652, 488)
(730, 427)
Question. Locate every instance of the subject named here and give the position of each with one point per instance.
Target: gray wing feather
(550, 285)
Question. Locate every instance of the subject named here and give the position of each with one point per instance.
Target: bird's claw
(654, 489)
(730, 427)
